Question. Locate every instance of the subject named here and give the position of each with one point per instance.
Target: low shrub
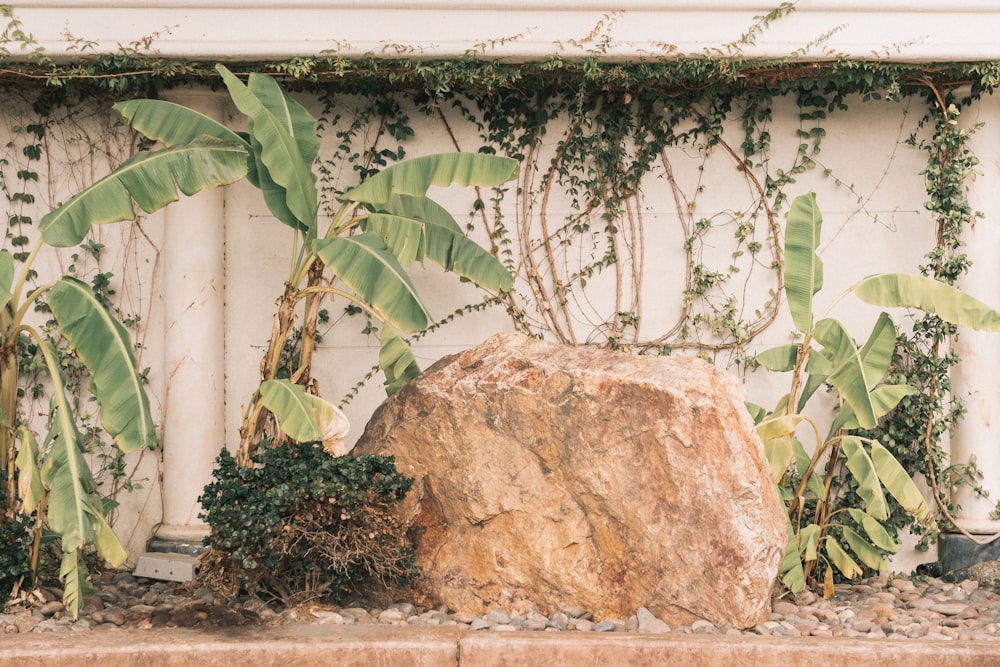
(15, 545)
(302, 525)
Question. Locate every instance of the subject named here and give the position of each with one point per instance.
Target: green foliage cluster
(15, 545)
(302, 525)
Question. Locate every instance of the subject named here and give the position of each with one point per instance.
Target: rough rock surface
(550, 475)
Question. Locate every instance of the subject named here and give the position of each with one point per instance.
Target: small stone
(784, 608)
(391, 616)
(478, 624)
(701, 625)
(463, 617)
(583, 625)
(498, 617)
(609, 626)
(26, 622)
(650, 624)
(114, 617)
(949, 608)
(405, 607)
(533, 625)
(576, 611)
(50, 608)
(903, 585)
(325, 617)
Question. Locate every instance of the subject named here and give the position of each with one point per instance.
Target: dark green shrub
(15, 545)
(302, 525)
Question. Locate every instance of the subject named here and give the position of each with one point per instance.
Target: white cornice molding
(913, 30)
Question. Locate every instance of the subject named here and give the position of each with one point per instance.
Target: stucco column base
(179, 539)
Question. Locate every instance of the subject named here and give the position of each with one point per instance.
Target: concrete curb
(378, 646)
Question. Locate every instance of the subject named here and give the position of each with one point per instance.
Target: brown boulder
(549, 475)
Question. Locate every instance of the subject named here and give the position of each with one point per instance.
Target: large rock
(549, 476)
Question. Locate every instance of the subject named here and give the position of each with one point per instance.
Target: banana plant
(826, 355)
(360, 255)
(53, 478)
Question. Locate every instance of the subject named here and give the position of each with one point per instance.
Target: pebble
(883, 608)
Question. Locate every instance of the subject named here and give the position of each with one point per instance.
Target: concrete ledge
(373, 645)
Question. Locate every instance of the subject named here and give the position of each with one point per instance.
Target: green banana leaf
(6, 277)
(876, 533)
(757, 412)
(397, 361)
(841, 559)
(301, 126)
(173, 124)
(104, 347)
(930, 295)
(364, 263)
(279, 150)
(73, 575)
(790, 570)
(404, 237)
(865, 552)
(863, 470)
(75, 512)
(898, 483)
(779, 359)
(294, 117)
(411, 240)
(884, 398)
(803, 267)
(418, 207)
(301, 416)
(152, 180)
(415, 176)
(813, 382)
(876, 353)
(29, 479)
(802, 461)
(275, 196)
(778, 426)
(848, 374)
(809, 542)
(779, 453)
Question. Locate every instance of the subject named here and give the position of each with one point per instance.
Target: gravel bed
(881, 607)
